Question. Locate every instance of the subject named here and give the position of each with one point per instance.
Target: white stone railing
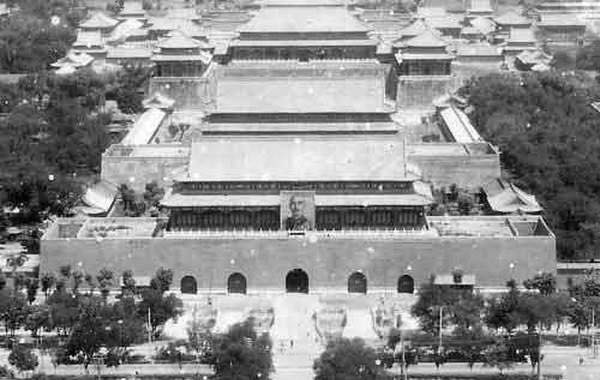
(310, 235)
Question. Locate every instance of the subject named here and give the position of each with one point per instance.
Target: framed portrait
(297, 210)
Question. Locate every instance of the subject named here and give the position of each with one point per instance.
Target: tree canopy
(547, 133)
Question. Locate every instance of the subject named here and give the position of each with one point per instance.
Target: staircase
(295, 344)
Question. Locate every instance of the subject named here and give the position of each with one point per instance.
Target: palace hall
(288, 166)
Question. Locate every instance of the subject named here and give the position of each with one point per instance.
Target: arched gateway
(236, 283)
(189, 285)
(406, 284)
(357, 283)
(296, 281)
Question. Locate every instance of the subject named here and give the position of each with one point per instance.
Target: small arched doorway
(406, 284)
(357, 283)
(296, 281)
(236, 283)
(189, 285)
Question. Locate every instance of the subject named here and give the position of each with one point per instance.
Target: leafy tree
(504, 312)
(89, 331)
(130, 80)
(30, 44)
(64, 310)
(497, 355)
(129, 286)
(23, 358)
(241, 354)
(32, 287)
(162, 280)
(37, 319)
(160, 306)
(6, 373)
(461, 309)
(348, 359)
(13, 310)
(546, 131)
(545, 283)
(153, 194)
(105, 281)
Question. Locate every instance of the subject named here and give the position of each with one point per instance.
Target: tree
(161, 307)
(545, 283)
(22, 358)
(37, 319)
(497, 355)
(105, 281)
(241, 354)
(32, 285)
(348, 359)
(89, 331)
(504, 312)
(13, 310)
(544, 127)
(128, 286)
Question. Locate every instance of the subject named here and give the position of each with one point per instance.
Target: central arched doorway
(236, 283)
(406, 284)
(296, 281)
(189, 285)
(357, 283)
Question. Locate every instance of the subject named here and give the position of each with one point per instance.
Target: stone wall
(420, 91)
(138, 166)
(468, 171)
(189, 92)
(328, 262)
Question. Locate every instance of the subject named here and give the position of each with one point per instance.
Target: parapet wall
(194, 93)
(327, 261)
(138, 165)
(421, 91)
(469, 170)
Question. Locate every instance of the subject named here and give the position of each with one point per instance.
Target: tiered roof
(74, 59)
(99, 21)
(300, 95)
(512, 18)
(483, 24)
(317, 19)
(427, 39)
(504, 197)
(88, 39)
(179, 41)
(295, 159)
(427, 45)
(480, 7)
(133, 9)
(554, 20)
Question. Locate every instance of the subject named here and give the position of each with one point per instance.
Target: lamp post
(440, 337)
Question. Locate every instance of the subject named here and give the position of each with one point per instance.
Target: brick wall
(328, 262)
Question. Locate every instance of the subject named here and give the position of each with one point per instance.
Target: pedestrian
(291, 343)
(580, 360)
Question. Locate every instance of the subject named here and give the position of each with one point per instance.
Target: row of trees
(500, 330)
(548, 135)
(87, 322)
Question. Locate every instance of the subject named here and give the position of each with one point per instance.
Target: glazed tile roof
(300, 95)
(88, 39)
(512, 18)
(426, 39)
(295, 159)
(179, 41)
(303, 20)
(99, 21)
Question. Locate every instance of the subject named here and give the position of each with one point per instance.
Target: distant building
(556, 28)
